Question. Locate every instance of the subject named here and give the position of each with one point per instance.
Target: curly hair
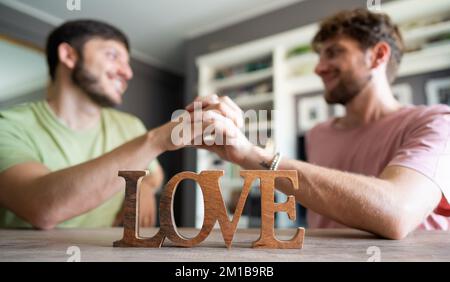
(368, 29)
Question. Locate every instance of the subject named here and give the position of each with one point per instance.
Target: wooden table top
(319, 245)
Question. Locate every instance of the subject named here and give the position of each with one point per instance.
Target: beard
(348, 87)
(90, 84)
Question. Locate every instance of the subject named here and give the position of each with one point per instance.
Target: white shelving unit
(254, 101)
(293, 75)
(243, 79)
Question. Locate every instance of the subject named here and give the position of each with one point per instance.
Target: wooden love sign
(214, 208)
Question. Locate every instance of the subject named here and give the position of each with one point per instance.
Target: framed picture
(311, 111)
(438, 91)
(403, 93)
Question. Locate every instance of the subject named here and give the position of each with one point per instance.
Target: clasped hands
(210, 122)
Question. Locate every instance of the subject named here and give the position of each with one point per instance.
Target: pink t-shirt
(417, 137)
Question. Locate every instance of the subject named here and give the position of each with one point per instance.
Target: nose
(321, 67)
(125, 71)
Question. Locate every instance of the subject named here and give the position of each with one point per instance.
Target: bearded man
(59, 157)
(383, 167)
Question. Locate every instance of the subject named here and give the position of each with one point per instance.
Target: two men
(381, 167)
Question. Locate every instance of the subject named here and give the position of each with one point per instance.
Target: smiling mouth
(329, 80)
(329, 77)
(119, 85)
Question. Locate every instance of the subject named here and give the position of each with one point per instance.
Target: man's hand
(222, 118)
(191, 127)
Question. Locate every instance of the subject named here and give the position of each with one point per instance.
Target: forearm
(75, 190)
(354, 200)
(357, 201)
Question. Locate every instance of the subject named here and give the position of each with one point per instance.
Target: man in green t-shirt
(59, 157)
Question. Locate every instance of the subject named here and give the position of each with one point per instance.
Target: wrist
(257, 158)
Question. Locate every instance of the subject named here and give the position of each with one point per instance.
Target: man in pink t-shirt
(382, 167)
(378, 137)
(412, 137)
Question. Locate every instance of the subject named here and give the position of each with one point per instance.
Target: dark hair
(76, 34)
(368, 29)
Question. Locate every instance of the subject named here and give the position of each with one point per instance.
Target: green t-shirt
(32, 132)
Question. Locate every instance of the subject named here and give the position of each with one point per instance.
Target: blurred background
(255, 51)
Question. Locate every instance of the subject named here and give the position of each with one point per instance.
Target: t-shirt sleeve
(426, 148)
(14, 147)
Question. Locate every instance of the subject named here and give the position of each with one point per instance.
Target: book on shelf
(249, 67)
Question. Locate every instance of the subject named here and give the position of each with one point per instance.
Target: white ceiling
(156, 28)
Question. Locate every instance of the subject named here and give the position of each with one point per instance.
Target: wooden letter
(131, 236)
(209, 183)
(228, 228)
(269, 207)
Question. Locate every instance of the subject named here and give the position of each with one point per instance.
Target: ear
(67, 55)
(381, 53)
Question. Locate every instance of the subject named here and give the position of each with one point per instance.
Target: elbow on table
(397, 227)
(396, 233)
(44, 226)
(42, 221)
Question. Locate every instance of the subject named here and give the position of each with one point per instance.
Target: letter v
(228, 227)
